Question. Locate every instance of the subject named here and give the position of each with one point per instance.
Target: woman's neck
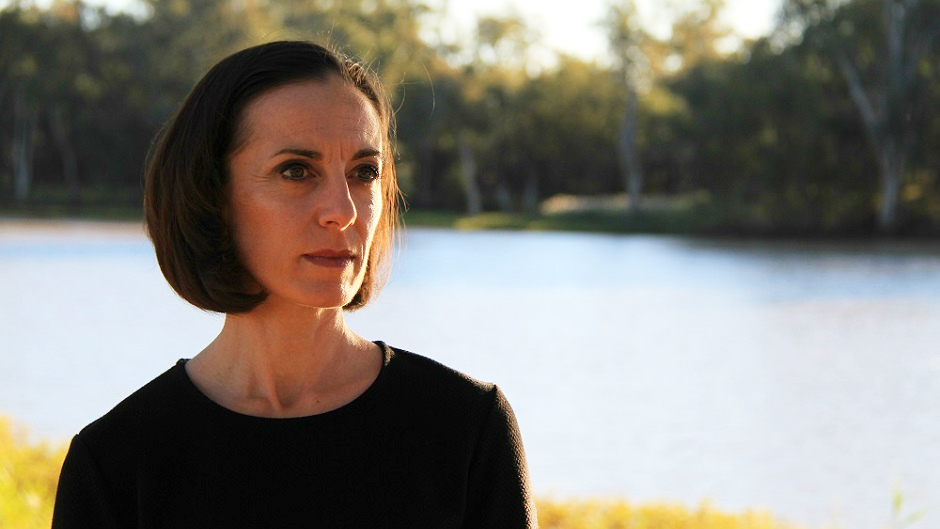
(278, 361)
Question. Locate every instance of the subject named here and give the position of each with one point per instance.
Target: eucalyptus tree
(18, 70)
(42, 76)
(627, 42)
(774, 143)
(569, 130)
(697, 36)
(488, 140)
(886, 53)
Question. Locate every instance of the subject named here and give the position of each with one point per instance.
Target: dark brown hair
(186, 181)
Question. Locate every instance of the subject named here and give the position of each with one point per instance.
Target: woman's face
(305, 196)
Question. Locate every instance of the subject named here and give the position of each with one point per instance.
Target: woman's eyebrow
(307, 153)
(366, 153)
(317, 155)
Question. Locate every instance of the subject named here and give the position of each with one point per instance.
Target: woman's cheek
(375, 209)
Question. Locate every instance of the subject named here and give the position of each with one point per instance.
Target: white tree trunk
(468, 174)
(530, 193)
(883, 116)
(24, 120)
(63, 140)
(629, 162)
(503, 197)
(893, 160)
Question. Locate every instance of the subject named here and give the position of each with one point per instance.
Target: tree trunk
(468, 173)
(885, 149)
(893, 160)
(884, 115)
(424, 176)
(503, 197)
(3, 89)
(24, 120)
(530, 193)
(60, 132)
(629, 163)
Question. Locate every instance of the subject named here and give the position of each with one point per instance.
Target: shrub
(29, 472)
(619, 514)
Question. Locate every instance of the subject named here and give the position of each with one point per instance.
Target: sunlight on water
(800, 378)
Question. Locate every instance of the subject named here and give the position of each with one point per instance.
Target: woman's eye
(294, 172)
(367, 173)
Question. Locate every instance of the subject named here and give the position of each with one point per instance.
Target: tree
(627, 41)
(696, 36)
(488, 140)
(45, 56)
(882, 60)
(774, 142)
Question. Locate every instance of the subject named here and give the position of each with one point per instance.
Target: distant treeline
(831, 125)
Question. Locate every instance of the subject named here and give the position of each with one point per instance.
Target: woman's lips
(331, 258)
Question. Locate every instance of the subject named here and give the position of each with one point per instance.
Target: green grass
(116, 213)
(691, 213)
(692, 221)
(590, 221)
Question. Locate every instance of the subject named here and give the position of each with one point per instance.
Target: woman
(271, 197)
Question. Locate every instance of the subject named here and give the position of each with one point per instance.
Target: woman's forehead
(311, 109)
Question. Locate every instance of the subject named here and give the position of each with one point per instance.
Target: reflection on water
(801, 378)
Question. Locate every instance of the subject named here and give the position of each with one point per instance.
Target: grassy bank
(29, 471)
(678, 216)
(596, 222)
(115, 213)
(689, 214)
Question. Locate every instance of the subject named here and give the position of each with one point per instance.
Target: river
(801, 378)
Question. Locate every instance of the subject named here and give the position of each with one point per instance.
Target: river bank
(682, 216)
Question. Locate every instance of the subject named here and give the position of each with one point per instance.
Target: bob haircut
(186, 181)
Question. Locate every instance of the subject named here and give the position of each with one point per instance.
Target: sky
(571, 26)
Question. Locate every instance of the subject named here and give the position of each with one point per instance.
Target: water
(802, 378)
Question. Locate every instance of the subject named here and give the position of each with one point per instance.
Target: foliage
(28, 476)
(771, 131)
(818, 182)
(618, 514)
(881, 52)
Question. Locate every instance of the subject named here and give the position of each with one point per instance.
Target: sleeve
(499, 493)
(82, 499)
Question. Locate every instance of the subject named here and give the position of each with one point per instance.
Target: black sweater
(424, 446)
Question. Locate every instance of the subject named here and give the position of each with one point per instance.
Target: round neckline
(362, 399)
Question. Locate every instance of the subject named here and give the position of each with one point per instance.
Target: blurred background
(695, 242)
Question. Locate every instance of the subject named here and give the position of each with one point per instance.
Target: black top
(424, 446)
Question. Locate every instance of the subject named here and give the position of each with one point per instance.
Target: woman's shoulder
(157, 400)
(425, 371)
(429, 382)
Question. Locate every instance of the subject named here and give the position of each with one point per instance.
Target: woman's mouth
(331, 258)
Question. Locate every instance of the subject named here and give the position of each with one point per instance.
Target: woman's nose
(335, 203)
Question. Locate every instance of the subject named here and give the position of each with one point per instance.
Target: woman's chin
(336, 299)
